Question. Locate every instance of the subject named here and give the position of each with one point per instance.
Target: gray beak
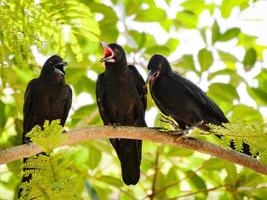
(152, 76)
(63, 64)
(59, 67)
(149, 75)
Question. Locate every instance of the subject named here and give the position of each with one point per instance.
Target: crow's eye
(116, 51)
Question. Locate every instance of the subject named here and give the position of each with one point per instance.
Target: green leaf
(159, 49)
(262, 78)
(151, 14)
(80, 156)
(232, 175)
(50, 136)
(215, 31)
(111, 181)
(139, 38)
(82, 115)
(235, 78)
(179, 152)
(259, 95)
(197, 183)
(213, 164)
(227, 57)
(94, 157)
(167, 24)
(172, 177)
(193, 6)
(249, 59)
(213, 176)
(247, 114)
(187, 62)
(3, 118)
(187, 19)
(229, 34)
(102, 192)
(203, 33)
(227, 6)
(205, 59)
(109, 31)
(224, 92)
(76, 48)
(172, 44)
(91, 191)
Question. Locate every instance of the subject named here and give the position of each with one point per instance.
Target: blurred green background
(218, 44)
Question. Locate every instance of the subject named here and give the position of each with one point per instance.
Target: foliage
(204, 40)
(61, 181)
(252, 134)
(48, 138)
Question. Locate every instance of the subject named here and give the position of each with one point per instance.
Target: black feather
(121, 99)
(181, 99)
(46, 98)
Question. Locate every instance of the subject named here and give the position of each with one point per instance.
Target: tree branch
(84, 134)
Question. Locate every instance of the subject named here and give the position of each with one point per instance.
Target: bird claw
(114, 125)
(166, 119)
(160, 129)
(186, 131)
(176, 132)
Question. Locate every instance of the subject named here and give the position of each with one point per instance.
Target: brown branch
(84, 134)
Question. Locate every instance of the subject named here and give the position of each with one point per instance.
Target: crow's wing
(140, 85)
(199, 96)
(67, 104)
(100, 93)
(29, 114)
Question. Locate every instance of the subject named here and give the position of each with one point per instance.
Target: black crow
(121, 98)
(46, 98)
(181, 99)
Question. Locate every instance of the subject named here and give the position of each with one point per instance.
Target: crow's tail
(129, 152)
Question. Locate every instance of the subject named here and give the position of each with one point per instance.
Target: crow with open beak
(46, 98)
(121, 98)
(181, 99)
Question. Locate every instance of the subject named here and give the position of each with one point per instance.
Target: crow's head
(113, 53)
(158, 65)
(53, 68)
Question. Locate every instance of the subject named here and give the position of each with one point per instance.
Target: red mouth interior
(107, 52)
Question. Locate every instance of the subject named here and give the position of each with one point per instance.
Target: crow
(121, 99)
(46, 98)
(181, 99)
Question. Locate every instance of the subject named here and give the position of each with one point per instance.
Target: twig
(176, 182)
(199, 191)
(155, 177)
(90, 133)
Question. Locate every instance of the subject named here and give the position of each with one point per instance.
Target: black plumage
(46, 98)
(181, 99)
(121, 98)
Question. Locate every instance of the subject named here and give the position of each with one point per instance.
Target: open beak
(59, 67)
(62, 64)
(152, 76)
(108, 53)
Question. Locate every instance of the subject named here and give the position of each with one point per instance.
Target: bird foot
(170, 121)
(176, 132)
(186, 131)
(114, 125)
(160, 129)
